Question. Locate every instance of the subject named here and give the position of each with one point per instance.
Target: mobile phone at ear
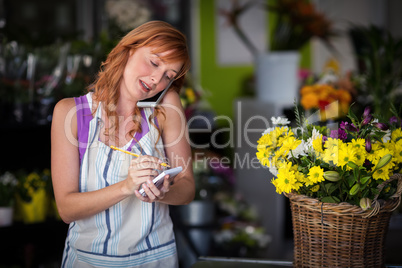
(155, 100)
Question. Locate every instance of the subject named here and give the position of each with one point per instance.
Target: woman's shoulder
(171, 98)
(172, 109)
(63, 112)
(65, 105)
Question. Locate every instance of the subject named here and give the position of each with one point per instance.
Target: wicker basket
(340, 235)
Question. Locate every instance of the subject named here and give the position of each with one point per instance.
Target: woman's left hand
(153, 193)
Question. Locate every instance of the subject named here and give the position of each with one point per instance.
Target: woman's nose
(157, 76)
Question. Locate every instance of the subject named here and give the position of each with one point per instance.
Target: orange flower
(321, 96)
(307, 89)
(344, 95)
(309, 101)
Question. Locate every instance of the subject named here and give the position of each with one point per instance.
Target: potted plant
(33, 196)
(342, 184)
(296, 22)
(8, 184)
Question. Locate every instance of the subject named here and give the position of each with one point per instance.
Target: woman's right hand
(141, 169)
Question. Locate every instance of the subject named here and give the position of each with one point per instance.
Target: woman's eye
(168, 77)
(154, 64)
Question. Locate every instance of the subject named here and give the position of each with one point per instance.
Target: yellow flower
(358, 143)
(290, 143)
(280, 163)
(286, 181)
(361, 153)
(398, 151)
(379, 154)
(33, 177)
(300, 177)
(331, 142)
(183, 102)
(360, 156)
(331, 155)
(315, 175)
(332, 64)
(275, 183)
(396, 135)
(265, 140)
(317, 145)
(381, 174)
(263, 156)
(315, 188)
(190, 94)
(346, 154)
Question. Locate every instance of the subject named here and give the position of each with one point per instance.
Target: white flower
(224, 236)
(315, 134)
(274, 171)
(128, 14)
(328, 78)
(268, 130)
(280, 121)
(8, 179)
(300, 150)
(387, 136)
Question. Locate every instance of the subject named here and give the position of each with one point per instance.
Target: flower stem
(245, 40)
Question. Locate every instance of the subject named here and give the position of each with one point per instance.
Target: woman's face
(146, 74)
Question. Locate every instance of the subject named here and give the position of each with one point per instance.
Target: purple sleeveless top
(84, 116)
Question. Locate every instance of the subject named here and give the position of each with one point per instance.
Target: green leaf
(375, 191)
(332, 188)
(351, 115)
(327, 186)
(365, 179)
(350, 180)
(330, 199)
(352, 165)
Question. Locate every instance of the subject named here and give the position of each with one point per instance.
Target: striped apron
(131, 233)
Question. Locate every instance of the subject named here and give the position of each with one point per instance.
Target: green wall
(224, 84)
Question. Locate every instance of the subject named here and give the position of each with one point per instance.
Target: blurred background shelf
(32, 245)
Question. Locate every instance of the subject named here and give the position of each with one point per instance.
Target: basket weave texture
(340, 235)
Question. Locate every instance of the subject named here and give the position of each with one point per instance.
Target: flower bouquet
(347, 164)
(342, 183)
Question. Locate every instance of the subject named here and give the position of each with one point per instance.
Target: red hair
(157, 34)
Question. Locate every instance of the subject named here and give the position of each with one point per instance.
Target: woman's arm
(178, 151)
(72, 204)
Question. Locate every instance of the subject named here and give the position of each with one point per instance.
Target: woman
(96, 187)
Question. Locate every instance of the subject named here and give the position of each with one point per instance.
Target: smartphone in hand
(158, 180)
